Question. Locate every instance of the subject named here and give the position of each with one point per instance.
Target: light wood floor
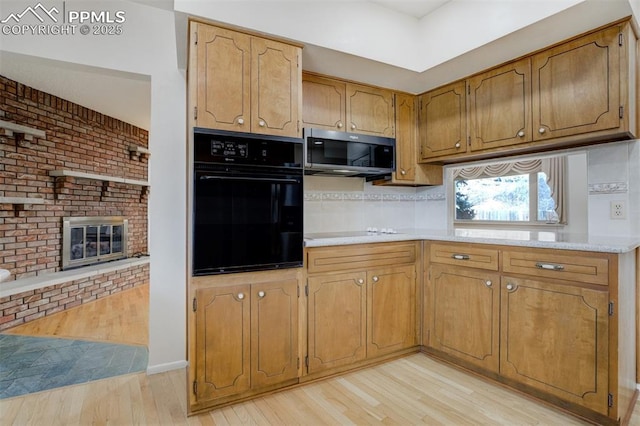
(122, 317)
(409, 391)
(412, 390)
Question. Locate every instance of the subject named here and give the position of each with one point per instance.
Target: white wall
(577, 193)
(147, 46)
(613, 175)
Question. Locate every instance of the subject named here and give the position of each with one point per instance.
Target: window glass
(505, 198)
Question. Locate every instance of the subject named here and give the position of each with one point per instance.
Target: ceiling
(122, 95)
(416, 8)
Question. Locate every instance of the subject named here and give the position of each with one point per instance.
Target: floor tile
(31, 364)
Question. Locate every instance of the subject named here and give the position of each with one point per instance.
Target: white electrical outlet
(618, 210)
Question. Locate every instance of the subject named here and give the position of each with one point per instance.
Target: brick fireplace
(84, 169)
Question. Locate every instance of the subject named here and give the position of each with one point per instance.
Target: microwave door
(359, 155)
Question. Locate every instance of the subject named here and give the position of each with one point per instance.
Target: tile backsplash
(351, 204)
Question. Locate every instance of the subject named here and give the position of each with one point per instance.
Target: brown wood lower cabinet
(245, 338)
(556, 324)
(391, 310)
(362, 314)
(465, 314)
(547, 322)
(555, 337)
(337, 320)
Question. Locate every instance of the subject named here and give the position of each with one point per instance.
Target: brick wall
(30, 305)
(77, 139)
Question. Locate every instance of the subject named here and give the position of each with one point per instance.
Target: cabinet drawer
(464, 255)
(585, 267)
(329, 259)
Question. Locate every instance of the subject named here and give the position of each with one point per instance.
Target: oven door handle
(249, 179)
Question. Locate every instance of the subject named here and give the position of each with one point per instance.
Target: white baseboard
(161, 368)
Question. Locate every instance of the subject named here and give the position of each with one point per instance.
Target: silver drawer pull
(460, 256)
(550, 266)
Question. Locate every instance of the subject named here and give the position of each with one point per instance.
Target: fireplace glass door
(88, 240)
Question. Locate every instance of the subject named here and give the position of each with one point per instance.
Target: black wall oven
(248, 198)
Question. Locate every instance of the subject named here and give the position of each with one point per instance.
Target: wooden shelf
(23, 133)
(104, 178)
(21, 200)
(107, 180)
(19, 203)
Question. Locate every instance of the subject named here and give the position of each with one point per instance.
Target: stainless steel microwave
(347, 154)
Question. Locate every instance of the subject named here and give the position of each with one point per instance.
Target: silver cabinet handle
(241, 121)
(457, 144)
(240, 296)
(550, 266)
(521, 133)
(375, 279)
(541, 130)
(460, 256)
(340, 124)
(403, 172)
(488, 283)
(360, 281)
(261, 294)
(510, 286)
(261, 123)
(353, 126)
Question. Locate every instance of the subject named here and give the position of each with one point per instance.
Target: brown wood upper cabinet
(370, 110)
(323, 103)
(574, 93)
(245, 83)
(334, 104)
(576, 86)
(443, 121)
(408, 171)
(500, 107)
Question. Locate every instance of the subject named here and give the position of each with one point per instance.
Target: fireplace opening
(93, 239)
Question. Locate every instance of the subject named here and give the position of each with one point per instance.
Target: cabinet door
(223, 79)
(222, 341)
(275, 88)
(337, 320)
(500, 106)
(405, 138)
(465, 314)
(274, 332)
(323, 103)
(555, 339)
(370, 111)
(576, 86)
(391, 310)
(443, 128)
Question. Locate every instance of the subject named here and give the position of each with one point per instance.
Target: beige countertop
(523, 238)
